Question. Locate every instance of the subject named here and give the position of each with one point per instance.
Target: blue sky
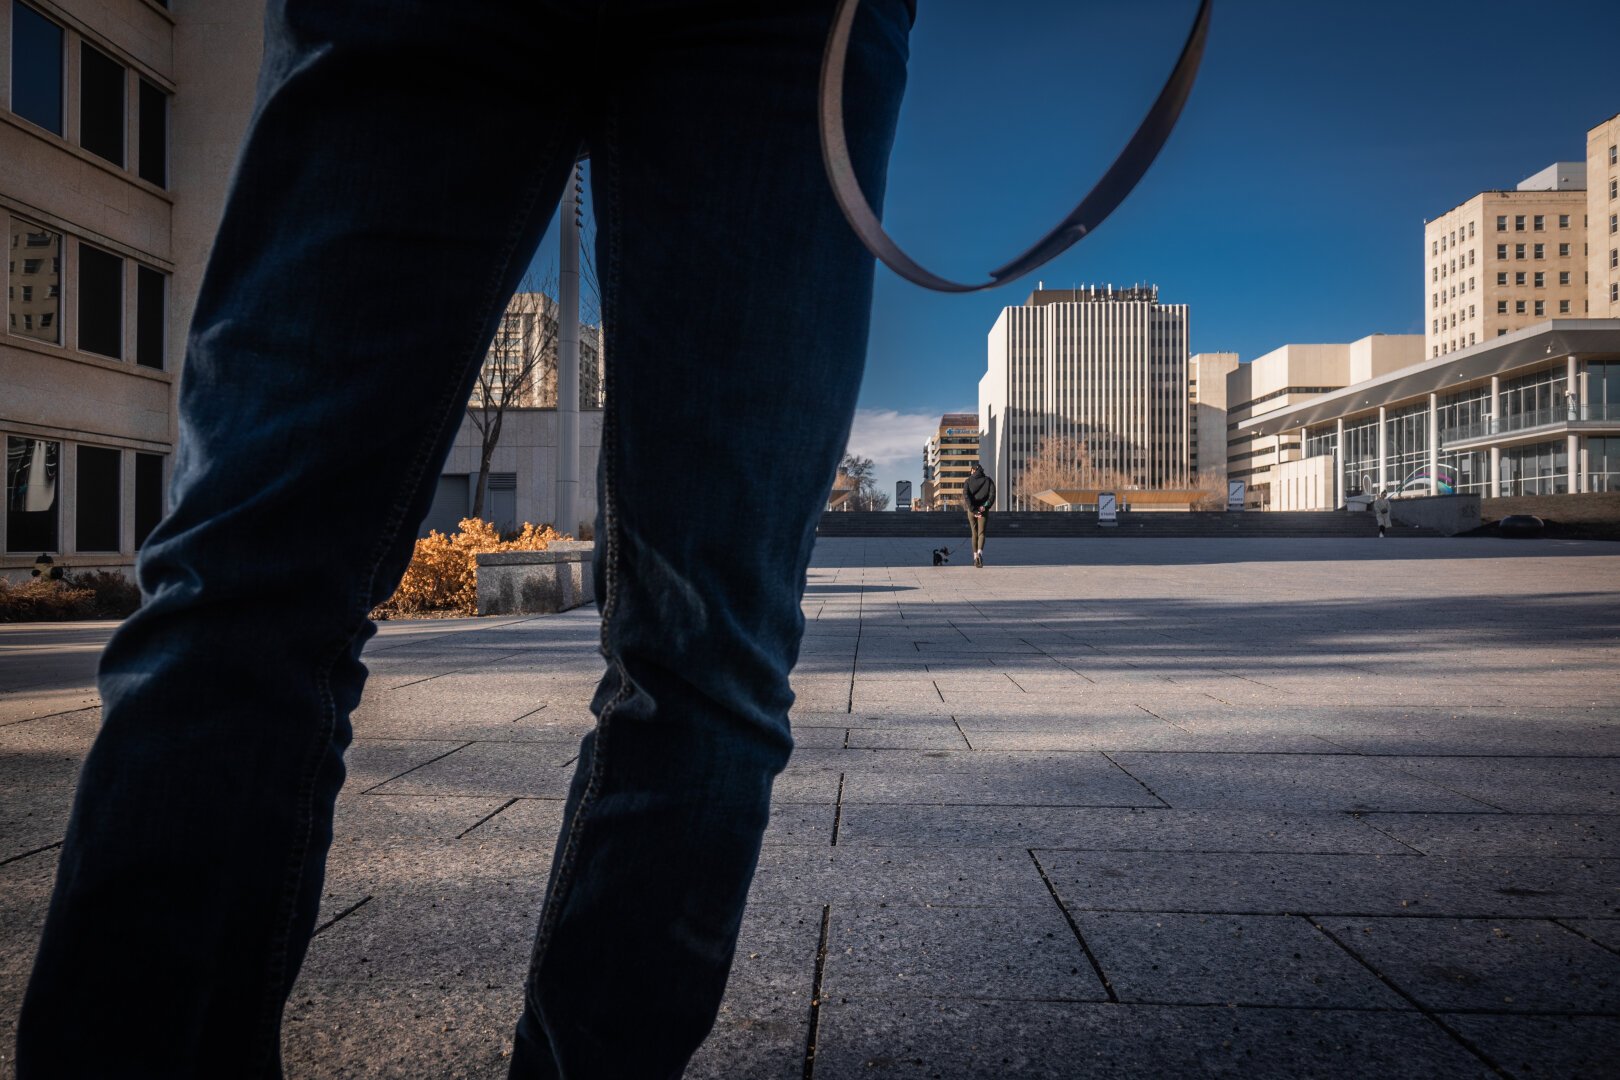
(1287, 207)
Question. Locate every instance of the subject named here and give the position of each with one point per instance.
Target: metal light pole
(568, 360)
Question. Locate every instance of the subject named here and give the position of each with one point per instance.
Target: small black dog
(942, 556)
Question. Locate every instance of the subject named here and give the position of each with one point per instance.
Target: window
(1541, 307)
(101, 104)
(1501, 251)
(1470, 284)
(97, 512)
(151, 316)
(1501, 279)
(1518, 307)
(101, 302)
(148, 495)
(1541, 280)
(36, 67)
(1539, 223)
(1434, 247)
(1614, 258)
(34, 283)
(1434, 326)
(1501, 333)
(1470, 311)
(32, 468)
(1501, 307)
(1501, 223)
(1563, 250)
(1518, 251)
(1470, 228)
(1541, 251)
(1518, 278)
(1518, 223)
(1614, 292)
(1470, 256)
(1611, 156)
(1563, 307)
(1614, 188)
(1434, 273)
(1563, 277)
(153, 153)
(1613, 227)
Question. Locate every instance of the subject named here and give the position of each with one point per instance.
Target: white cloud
(894, 441)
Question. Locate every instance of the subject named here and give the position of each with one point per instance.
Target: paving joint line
(1432, 1016)
(815, 996)
(419, 765)
(50, 716)
(1074, 926)
(1559, 920)
(27, 854)
(838, 810)
(1358, 816)
(500, 809)
(1133, 776)
(340, 916)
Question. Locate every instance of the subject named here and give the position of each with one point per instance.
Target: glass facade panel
(101, 302)
(1534, 400)
(1603, 464)
(151, 316)
(1407, 432)
(1538, 469)
(36, 67)
(1360, 459)
(153, 152)
(101, 104)
(1462, 415)
(148, 495)
(34, 283)
(97, 511)
(1602, 392)
(32, 470)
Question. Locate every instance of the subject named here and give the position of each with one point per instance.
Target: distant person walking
(1381, 509)
(978, 496)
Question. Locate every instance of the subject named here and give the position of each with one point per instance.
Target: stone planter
(536, 582)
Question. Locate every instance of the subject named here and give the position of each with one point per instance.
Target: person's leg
(392, 187)
(736, 306)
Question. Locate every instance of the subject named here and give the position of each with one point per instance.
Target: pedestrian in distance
(978, 496)
(1381, 511)
(320, 392)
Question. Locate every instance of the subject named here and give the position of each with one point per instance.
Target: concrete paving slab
(331, 1029)
(1542, 1047)
(1501, 965)
(1369, 884)
(982, 876)
(1526, 785)
(1543, 835)
(1175, 959)
(1111, 829)
(1287, 781)
(758, 1034)
(1605, 932)
(406, 816)
(988, 778)
(515, 770)
(999, 1040)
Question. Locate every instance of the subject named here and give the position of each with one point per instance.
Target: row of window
(1450, 240)
(33, 504)
(39, 53)
(35, 274)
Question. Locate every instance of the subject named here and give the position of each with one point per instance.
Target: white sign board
(1107, 505)
(1234, 494)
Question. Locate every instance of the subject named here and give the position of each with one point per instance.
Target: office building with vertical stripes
(1102, 366)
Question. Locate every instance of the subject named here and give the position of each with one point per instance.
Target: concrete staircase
(1139, 524)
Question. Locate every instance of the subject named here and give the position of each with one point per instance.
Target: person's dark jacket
(979, 493)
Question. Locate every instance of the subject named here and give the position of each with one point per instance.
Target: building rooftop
(1093, 293)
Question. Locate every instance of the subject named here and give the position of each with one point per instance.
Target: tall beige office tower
(1506, 259)
(119, 122)
(1206, 412)
(1603, 216)
(1100, 365)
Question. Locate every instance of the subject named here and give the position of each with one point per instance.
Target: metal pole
(567, 516)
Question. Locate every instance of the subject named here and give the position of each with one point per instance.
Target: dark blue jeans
(401, 165)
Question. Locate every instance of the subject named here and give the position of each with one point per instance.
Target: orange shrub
(443, 575)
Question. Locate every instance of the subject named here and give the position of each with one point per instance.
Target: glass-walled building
(1535, 412)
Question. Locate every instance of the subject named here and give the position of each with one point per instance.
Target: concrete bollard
(536, 582)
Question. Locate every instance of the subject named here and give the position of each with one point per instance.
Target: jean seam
(412, 478)
(557, 895)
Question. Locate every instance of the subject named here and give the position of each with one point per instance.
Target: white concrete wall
(527, 447)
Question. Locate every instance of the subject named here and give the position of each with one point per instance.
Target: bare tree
(865, 495)
(513, 368)
(1062, 462)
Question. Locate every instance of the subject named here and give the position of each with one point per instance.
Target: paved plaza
(1127, 809)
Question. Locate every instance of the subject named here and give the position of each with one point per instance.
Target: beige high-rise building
(948, 456)
(119, 122)
(1506, 259)
(1603, 215)
(1206, 411)
(1102, 366)
(1284, 378)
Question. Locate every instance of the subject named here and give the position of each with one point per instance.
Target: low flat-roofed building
(1535, 412)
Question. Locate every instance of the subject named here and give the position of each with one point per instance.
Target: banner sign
(1234, 494)
(1107, 505)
